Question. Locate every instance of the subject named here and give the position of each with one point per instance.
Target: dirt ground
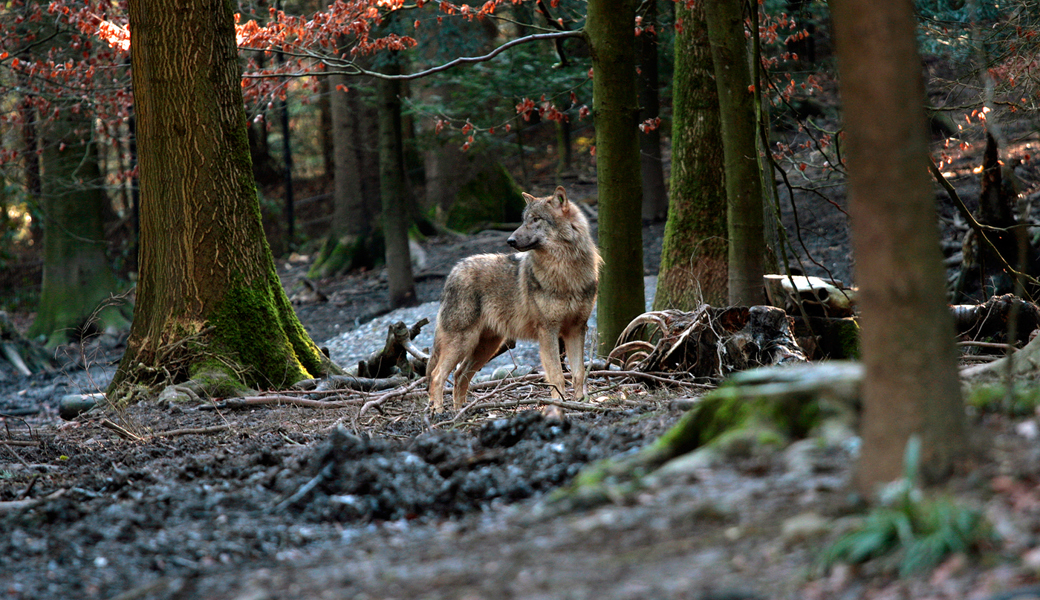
(279, 501)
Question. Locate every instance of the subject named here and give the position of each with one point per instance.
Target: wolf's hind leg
(447, 352)
(486, 348)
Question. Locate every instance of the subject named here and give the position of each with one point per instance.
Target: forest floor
(278, 501)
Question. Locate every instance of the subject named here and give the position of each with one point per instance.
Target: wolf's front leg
(575, 343)
(549, 350)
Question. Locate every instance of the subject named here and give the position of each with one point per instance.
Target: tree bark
(911, 386)
(394, 188)
(611, 37)
(694, 257)
(655, 195)
(744, 215)
(77, 275)
(208, 296)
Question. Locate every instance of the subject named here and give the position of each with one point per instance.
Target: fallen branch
(17, 505)
(1024, 361)
(477, 404)
(361, 384)
(660, 378)
(251, 401)
(13, 357)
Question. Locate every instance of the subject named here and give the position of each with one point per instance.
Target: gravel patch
(357, 344)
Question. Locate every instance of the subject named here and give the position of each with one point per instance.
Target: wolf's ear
(560, 196)
(528, 198)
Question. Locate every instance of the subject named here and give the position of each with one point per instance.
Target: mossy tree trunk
(910, 385)
(694, 257)
(611, 36)
(208, 295)
(744, 215)
(77, 276)
(394, 188)
(655, 195)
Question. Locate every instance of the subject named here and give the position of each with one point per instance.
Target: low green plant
(1023, 399)
(908, 530)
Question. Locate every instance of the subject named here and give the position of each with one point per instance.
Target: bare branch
(350, 69)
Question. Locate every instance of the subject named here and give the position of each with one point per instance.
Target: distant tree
(609, 30)
(911, 385)
(351, 221)
(78, 279)
(208, 298)
(744, 215)
(655, 194)
(694, 256)
(394, 185)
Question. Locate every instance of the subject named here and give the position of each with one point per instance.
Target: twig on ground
(192, 431)
(19, 443)
(306, 488)
(16, 455)
(387, 396)
(121, 431)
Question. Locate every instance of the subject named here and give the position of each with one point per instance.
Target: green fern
(917, 534)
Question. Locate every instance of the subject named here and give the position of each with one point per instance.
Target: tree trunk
(349, 217)
(694, 256)
(911, 386)
(394, 192)
(77, 276)
(743, 181)
(208, 296)
(612, 40)
(31, 160)
(351, 222)
(655, 195)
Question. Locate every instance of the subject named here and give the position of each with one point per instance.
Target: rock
(805, 526)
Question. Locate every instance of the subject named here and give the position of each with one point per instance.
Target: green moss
(255, 326)
(341, 254)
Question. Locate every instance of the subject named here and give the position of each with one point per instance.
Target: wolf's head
(549, 221)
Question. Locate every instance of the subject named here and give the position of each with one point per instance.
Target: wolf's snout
(511, 241)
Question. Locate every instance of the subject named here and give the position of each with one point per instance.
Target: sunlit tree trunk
(694, 256)
(396, 213)
(208, 296)
(744, 215)
(612, 39)
(911, 385)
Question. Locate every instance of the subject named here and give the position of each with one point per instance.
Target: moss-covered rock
(755, 412)
(491, 196)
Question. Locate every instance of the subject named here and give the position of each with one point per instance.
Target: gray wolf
(544, 292)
